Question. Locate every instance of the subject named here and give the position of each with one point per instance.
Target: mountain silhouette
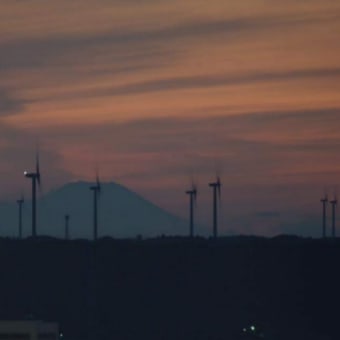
(122, 213)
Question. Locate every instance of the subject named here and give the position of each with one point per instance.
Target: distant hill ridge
(122, 213)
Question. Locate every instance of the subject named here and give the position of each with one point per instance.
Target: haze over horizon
(154, 93)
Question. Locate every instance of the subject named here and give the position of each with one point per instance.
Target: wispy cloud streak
(155, 92)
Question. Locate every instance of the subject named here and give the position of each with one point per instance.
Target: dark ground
(172, 288)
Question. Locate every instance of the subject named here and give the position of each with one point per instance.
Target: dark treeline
(173, 288)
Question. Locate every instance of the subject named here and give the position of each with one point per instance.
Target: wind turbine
(216, 191)
(324, 204)
(334, 202)
(35, 177)
(96, 192)
(193, 195)
(20, 203)
(67, 231)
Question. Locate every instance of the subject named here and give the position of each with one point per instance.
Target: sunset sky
(155, 93)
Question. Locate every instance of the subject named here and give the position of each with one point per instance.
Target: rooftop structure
(28, 330)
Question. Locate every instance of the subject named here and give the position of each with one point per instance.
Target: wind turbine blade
(37, 167)
(194, 190)
(326, 193)
(38, 173)
(218, 172)
(98, 184)
(97, 177)
(219, 188)
(335, 195)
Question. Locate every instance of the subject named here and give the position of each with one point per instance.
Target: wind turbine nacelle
(215, 184)
(28, 174)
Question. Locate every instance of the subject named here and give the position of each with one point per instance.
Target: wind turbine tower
(324, 202)
(20, 203)
(193, 195)
(216, 191)
(334, 202)
(35, 177)
(67, 231)
(96, 192)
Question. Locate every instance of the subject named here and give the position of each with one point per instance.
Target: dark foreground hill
(174, 288)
